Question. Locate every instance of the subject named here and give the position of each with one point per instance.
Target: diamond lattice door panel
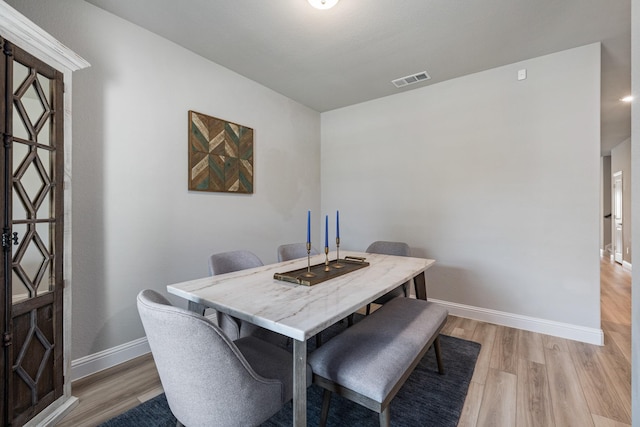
(32, 173)
(33, 361)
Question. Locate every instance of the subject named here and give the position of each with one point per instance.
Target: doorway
(617, 217)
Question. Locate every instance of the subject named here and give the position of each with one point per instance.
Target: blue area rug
(426, 399)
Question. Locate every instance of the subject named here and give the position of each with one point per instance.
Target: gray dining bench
(369, 362)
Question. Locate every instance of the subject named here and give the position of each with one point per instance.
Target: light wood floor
(528, 379)
(521, 378)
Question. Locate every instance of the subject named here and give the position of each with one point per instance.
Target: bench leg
(436, 347)
(385, 417)
(326, 400)
(349, 320)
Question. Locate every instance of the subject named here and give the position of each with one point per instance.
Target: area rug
(426, 399)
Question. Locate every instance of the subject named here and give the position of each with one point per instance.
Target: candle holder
(309, 273)
(337, 264)
(326, 259)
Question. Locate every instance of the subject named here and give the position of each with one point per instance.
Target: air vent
(408, 80)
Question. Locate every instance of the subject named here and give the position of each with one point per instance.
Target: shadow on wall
(90, 289)
(443, 279)
(111, 329)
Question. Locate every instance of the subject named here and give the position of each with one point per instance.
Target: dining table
(299, 311)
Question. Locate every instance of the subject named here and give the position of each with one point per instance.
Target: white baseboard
(541, 326)
(111, 357)
(625, 264)
(108, 358)
(97, 362)
(54, 413)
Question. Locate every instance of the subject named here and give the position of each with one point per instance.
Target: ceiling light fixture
(627, 98)
(323, 4)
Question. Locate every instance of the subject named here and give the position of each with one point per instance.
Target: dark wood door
(31, 178)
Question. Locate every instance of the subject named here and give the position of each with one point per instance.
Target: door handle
(7, 240)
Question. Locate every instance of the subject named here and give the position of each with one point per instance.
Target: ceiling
(327, 59)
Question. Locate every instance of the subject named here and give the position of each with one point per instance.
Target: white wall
(635, 164)
(497, 179)
(621, 162)
(135, 225)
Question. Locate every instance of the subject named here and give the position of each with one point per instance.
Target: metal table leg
(421, 286)
(300, 383)
(198, 308)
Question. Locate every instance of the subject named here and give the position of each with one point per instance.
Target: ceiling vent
(408, 80)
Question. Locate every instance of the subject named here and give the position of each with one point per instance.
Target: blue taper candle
(337, 224)
(326, 231)
(308, 226)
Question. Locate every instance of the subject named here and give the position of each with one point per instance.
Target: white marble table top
(299, 311)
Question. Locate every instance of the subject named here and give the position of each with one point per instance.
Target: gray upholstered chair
(207, 378)
(226, 262)
(294, 251)
(390, 248)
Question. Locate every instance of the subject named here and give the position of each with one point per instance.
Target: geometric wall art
(220, 155)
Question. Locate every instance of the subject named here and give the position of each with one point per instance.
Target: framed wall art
(220, 155)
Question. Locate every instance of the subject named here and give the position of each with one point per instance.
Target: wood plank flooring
(528, 379)
(521, 378)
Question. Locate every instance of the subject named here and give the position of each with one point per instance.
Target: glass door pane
(32, 192)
